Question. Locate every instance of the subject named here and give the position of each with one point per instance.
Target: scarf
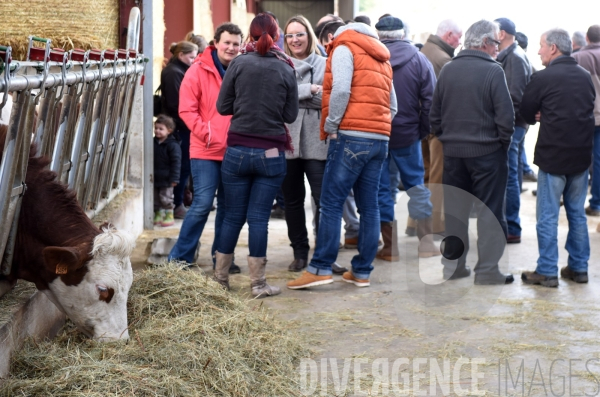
(220, 68)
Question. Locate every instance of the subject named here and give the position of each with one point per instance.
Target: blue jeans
(573, 189)
(184, 174)
(207, 181)
(251, 183)
(352, 163)
(513, 185)
(595, 200)
(409, 161)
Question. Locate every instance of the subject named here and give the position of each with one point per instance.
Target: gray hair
(579, 39)
(479, 32)
(447, 25)
(561, 39)
(391, 34)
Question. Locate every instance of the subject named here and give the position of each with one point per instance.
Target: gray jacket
(305, 130)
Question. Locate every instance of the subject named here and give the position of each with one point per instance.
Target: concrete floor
(409, 333)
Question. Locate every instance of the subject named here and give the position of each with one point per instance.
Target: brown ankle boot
(257, 270)
(427, 248)
(389, 252)
(223, 262)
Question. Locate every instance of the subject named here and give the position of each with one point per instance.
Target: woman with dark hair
(310, 152)
(261, 93)
(171, 77)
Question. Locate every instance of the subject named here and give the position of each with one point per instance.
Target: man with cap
(415, 78)
(357, 119)
(518, 73)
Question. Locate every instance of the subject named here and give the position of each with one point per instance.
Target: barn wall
(313, 10)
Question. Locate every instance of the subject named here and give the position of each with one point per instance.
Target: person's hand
(174, 184)
(315, 89)
(538, 116)
(332, 136)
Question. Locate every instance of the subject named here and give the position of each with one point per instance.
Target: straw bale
(188, 337)
(70, 24)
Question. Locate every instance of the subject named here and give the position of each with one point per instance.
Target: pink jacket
(197, 108)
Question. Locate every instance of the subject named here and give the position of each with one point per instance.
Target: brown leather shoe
(538, 279)
(351, 243)
(578, 277)
(297, 265)
(337, 269)
(512, 239)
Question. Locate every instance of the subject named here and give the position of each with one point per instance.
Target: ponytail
(265, 31)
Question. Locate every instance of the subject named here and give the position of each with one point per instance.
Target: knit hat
(389, 23)
(507, 25)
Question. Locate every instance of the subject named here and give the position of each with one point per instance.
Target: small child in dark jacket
(167, 164)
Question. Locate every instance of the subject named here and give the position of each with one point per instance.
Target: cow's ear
(62, 260)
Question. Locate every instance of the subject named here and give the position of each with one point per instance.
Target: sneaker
(592, 212)
(278, 213)
(180, 211)
(537, 279)
(309, 280)
(169, 219)
(530, 177)
(351, 243)
(578, 277)
(158, 217)
(359, 282)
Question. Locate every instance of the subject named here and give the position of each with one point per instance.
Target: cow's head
(92, 287)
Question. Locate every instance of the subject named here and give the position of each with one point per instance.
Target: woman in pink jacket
(197, 108)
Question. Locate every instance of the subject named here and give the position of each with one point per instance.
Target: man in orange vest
(359, 104)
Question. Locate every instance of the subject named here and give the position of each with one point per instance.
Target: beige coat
(438, 52)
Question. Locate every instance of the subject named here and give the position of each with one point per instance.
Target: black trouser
(184, 175)
(483, 178)
(294, 193)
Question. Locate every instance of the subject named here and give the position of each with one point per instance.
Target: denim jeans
(184, 174)
(207, 181)
(294, 194)
(513, 186)
(595, 199)
(573, 189)
(409, 161)
(484, 177)
(352, 163)
(251, 182)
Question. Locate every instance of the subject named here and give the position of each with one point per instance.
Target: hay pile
(70, 24)
(188, 337)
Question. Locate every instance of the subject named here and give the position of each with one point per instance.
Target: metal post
(148, 114)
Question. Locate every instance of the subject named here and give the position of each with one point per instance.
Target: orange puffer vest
(369, 105)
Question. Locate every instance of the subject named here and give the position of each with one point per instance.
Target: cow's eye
(104, 293)
(101, 289)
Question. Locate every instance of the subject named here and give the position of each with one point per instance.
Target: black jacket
(170, 82)
(518, 73)
(564, 94)
(261, 93)
(167, 162)
(472, 113)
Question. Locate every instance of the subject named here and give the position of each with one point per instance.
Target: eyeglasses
(496, 42)
(296, 35)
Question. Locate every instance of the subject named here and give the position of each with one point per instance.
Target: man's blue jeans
(207, 181)
(595, 199)
(251, 183)
(409, 161)
(352, 163)
(513, 185)
(573, 189)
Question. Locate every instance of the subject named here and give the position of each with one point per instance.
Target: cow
(83, 269)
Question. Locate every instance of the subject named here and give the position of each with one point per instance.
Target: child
(167, 164)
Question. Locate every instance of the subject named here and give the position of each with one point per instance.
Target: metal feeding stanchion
(76, 110)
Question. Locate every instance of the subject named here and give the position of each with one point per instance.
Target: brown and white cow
(84, 270)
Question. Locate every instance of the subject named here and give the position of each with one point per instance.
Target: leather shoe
(337, 269)
(578, 277)
(592, 212)
(512, 239)
(297, 265)
(538, 279)
(495, 279)
(460, 272)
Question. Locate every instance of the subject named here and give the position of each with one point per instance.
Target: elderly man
(518, 72)
(561, 98)
(589, 59)
(578, 41)
(439, 50)
(357, 119)
(472, 115)
(414, 77)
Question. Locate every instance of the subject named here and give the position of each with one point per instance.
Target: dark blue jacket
(167, 162)
(414, 82)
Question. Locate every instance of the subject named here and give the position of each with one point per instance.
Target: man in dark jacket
(518, 72)
(415, 78)
(473, 117)
(561, 97)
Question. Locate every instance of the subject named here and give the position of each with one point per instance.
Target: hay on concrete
(188, 337)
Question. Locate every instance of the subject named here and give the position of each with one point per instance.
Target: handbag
(157, 97)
